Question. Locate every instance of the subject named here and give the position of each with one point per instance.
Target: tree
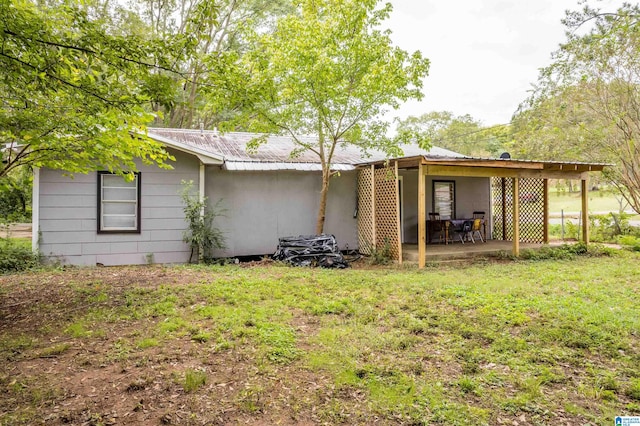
(327, 70)
(72, 92)
(216, 29)
(461, 134)
(587, 102)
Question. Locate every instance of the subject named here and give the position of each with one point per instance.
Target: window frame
(434, 205)
(137, 209)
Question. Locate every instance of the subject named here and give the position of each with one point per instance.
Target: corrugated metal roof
(307, 167)
(276, 153)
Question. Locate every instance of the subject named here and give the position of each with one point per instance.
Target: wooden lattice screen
(531, 209)
(366, 218)
(378, 215)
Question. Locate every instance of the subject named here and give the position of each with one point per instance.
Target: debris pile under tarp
(310, 250)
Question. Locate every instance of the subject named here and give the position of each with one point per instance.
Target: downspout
(202, 198)
(35, 211)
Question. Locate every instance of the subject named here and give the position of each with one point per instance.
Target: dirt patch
(16, 230)
(49, 376)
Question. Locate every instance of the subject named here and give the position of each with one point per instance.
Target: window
(444, 198)
(118, 203)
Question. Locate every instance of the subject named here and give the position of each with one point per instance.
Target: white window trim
(101, 203)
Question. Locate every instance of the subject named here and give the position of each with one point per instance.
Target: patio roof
(493, 167)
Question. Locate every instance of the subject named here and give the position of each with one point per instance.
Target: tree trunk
(323, 202)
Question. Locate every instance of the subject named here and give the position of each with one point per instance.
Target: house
(100, 218)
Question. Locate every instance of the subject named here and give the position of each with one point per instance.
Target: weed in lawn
(53, 351)
(10, 347)
(200, 336)
(468, 385)
(279, 343)
(251, 399)
(148, 342)
(78, 329)
(120, 351)
(633, 391)
(194, 380)
(172, 325)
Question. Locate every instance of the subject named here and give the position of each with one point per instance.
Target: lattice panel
(531, 209)
(365, 211)
(386, 196)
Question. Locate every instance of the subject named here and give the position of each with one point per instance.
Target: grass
(547, 341)
(599, 201)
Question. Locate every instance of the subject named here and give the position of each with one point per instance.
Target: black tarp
(310, 250)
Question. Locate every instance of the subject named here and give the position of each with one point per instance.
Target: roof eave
(204, 157)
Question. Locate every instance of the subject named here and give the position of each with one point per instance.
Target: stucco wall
(263, 206)
(471, 194)
(68, 218)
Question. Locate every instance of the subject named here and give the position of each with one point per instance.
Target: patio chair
(475, 229)
(465, 232)
(435, 227)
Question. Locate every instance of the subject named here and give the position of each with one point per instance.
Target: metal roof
(231, 148)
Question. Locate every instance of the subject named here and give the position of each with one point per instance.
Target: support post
(374, 244)
(422, 218)
(516, 216)
(503, 187)
(201, 195)
(585, 209)
(35, 210)
(398, 220)
(545, 201)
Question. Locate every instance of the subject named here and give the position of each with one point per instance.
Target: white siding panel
(154, 225)
(161, 213)
(167, 235)
(68, 237)
(121, 259)
(162, 246)
(96, 248)
(61, 249)
(264, 206)
(64, 188)
(63, 212)
(69, 224)
(77, 200)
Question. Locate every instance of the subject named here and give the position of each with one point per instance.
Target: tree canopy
(327, 70)
(72, 91)
(587, 102)
(462, 134)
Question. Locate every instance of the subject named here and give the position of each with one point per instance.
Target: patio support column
(503, 187)
(201, 195)
(398, 219)
(585, 208)
(545, 201)
(374, 244)
(516, 216)
(422, 218)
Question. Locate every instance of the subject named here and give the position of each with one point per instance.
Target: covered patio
(394, 197)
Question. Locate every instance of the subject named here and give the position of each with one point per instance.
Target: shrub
(202, 236)
(382, 255)
(567, 251)
(630, 242)
(16, 256)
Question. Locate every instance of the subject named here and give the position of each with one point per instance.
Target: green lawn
(599, 201)
(540, 343)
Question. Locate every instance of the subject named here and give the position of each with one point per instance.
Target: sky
(485, 54)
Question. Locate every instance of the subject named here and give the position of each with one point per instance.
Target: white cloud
(485, 54)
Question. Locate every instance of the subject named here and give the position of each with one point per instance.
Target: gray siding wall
(263, 206)
(68, 218)
(471, 194)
